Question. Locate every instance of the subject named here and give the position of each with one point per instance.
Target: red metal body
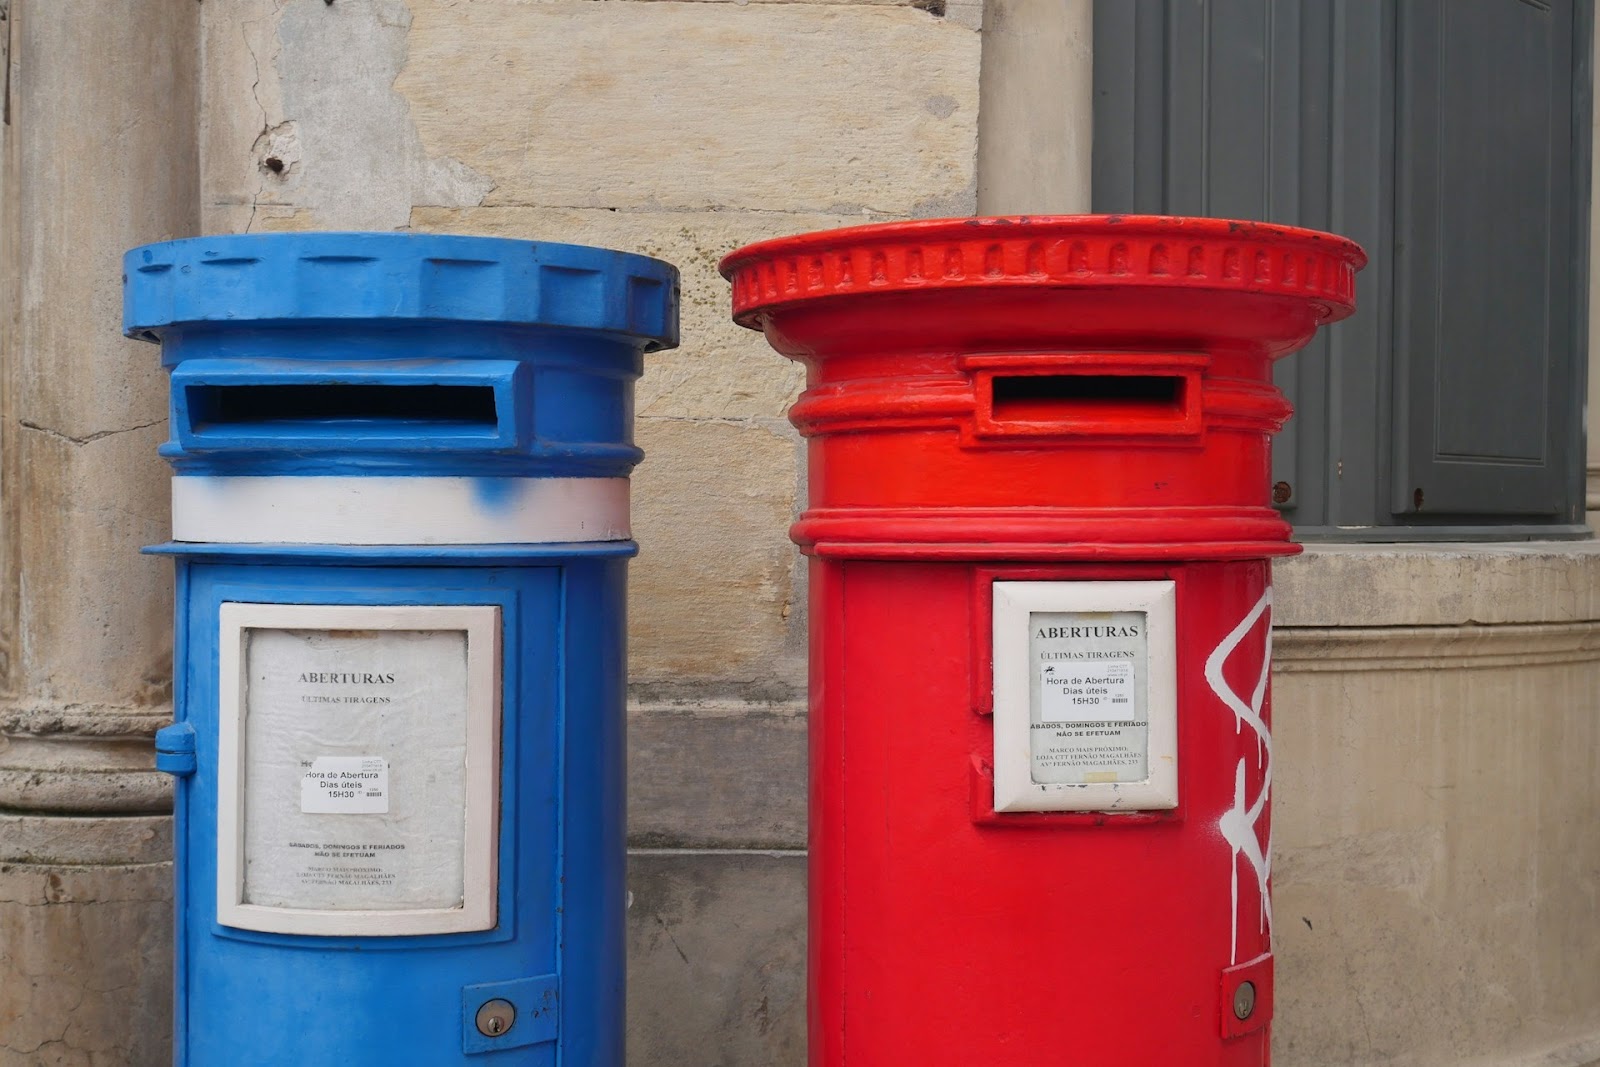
(1050, 399)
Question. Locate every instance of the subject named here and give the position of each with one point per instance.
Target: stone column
(1036, 125)
(99, 155)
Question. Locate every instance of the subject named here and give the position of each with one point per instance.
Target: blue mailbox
(400, 524)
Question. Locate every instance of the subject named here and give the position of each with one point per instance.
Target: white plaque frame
(1014, 605)
(481, 624)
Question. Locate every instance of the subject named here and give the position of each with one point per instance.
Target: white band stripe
(399, 510)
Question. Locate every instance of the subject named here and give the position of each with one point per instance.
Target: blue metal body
(541, 344)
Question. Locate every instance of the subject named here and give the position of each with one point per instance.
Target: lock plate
(1246, 1002)
(525, 1009)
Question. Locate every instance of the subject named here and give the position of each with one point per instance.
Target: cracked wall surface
(85, 958)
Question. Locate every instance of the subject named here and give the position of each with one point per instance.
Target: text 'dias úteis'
(361, 737)
(1085, 707)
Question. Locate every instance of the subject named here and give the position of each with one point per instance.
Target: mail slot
(338, 406)
(277, 405)
(1086, 394)
(401, 530)
(1061, 395)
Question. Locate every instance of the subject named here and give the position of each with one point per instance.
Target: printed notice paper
(1074, 691)
(1087, 694)
(346, 783)
(355, 785)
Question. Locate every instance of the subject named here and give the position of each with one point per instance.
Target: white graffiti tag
(1239, 822)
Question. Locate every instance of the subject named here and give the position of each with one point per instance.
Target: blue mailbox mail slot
(401, 532)
(415, 405)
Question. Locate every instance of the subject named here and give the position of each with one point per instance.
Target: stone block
(713, 595)
(346, 115)
(95, 615)
(1434, 849)
(61, 841)
(86, 958)
(697, 106)
(1423, 584)
(716, 959)
(717, 775)
(968, 13)
(302, 117)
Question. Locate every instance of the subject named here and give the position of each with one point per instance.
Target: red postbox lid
(1158, 255)
(1043, 387)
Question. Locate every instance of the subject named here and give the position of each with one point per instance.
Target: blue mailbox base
(247, 997)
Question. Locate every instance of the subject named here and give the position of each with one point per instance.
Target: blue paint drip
(497, 495)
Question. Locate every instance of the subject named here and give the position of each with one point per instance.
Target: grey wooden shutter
(1488, 258)
(1313, 113)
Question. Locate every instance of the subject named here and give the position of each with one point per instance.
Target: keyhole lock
(496, 1017)
(1244, 1001)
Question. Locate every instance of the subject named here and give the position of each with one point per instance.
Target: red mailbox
(1040, 535)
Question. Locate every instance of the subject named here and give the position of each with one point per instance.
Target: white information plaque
(358, 768)
(1085, 696)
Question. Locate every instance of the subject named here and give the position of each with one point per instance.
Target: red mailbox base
(944, 933)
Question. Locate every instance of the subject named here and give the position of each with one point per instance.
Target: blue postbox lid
(287, 278)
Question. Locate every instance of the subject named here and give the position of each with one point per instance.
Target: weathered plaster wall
(681, 130)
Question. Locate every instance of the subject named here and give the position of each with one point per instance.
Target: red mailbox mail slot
(1040, 530)
(1106, 394)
